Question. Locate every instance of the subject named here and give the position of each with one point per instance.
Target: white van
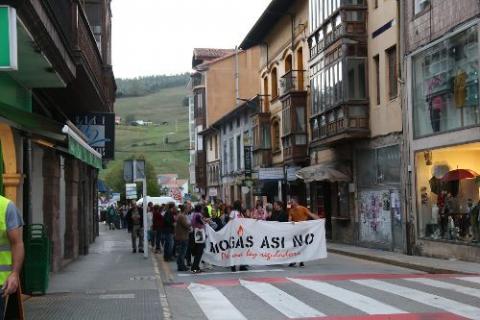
(159, 201)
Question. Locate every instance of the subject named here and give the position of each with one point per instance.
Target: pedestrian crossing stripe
(470, 279)
(216, 306)
(288, 305)
(449, 286)
(353, 299)
(432, 300)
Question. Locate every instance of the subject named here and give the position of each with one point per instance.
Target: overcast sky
(158, 36)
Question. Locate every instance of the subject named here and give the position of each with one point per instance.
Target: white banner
(256, 242)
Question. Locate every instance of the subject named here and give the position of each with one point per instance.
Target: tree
(114, 178)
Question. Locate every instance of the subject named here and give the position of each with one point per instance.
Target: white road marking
(470, 279)
(187, 274)
(446, 285)
(214, 304)
(432, 300)
(353, 299)
(280, 300)
(117, 296)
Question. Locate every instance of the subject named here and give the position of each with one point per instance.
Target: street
(113, 283)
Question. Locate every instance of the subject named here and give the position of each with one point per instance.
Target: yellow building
(280, 132)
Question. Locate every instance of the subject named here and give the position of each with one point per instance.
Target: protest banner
(256, 242)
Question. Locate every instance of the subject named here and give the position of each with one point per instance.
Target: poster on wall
(99, 128)
(376, 210)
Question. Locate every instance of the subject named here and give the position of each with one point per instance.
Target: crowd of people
(171, 228)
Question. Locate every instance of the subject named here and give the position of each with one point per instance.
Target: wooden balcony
(293, 81)
(213, 173)
(342, 123)
(294, 128)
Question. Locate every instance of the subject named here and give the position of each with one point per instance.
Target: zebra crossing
(445, 297)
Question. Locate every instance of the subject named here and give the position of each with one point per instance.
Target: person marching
(12, 253)
(298, 213)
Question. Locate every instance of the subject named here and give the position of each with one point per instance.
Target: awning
(32, 123)
(321, 172)
(78, 148)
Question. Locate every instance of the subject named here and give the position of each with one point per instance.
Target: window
(378, 166)
(238, 122)
(275, 136)
(225, 157)
(300, 119)
(421, 5)
(356, 82)
(376, 63)
(215, 145)
(375, 4)
(445, 85)
(274, 83)
(231, 158)
(210, 142)
(391, 55)
(239, 152)
(354, 16)
(288, 63)
(265, 102)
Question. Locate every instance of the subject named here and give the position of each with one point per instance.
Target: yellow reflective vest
(5, 249)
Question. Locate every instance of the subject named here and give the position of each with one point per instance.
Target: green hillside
(164, 143)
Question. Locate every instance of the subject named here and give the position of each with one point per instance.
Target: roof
(200, 55)
(276, 10)
(204, 65)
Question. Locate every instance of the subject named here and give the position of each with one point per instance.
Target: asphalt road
(114, 283)
(338, 287)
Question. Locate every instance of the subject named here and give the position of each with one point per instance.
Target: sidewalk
(109, 283)
(425, 264)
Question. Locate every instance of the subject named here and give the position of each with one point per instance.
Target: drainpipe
(237, 76)
(407, 171)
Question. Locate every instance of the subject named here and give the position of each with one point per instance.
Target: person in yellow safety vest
(209, 208)
(12, 251)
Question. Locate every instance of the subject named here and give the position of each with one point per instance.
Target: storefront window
(447, 192)
(445, 85)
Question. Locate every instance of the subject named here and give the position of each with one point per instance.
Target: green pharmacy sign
(8, 38)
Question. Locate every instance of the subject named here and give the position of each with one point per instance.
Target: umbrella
(459, 174)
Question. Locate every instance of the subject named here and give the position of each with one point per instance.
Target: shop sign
(131, 191)
(276, 173)
(99, 128)
(8, 39)
(133, 170)
(247, 155)
(292, 173)
(212, 192)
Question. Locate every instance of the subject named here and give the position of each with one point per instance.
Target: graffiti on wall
(376, 211)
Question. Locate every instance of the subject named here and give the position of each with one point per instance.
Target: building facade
(222, 79)
(441, 96)
(58, 74)
(280, 131)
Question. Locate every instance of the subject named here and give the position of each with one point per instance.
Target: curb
(403, 264)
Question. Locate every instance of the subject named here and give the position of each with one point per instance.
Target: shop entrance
(321, 204)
